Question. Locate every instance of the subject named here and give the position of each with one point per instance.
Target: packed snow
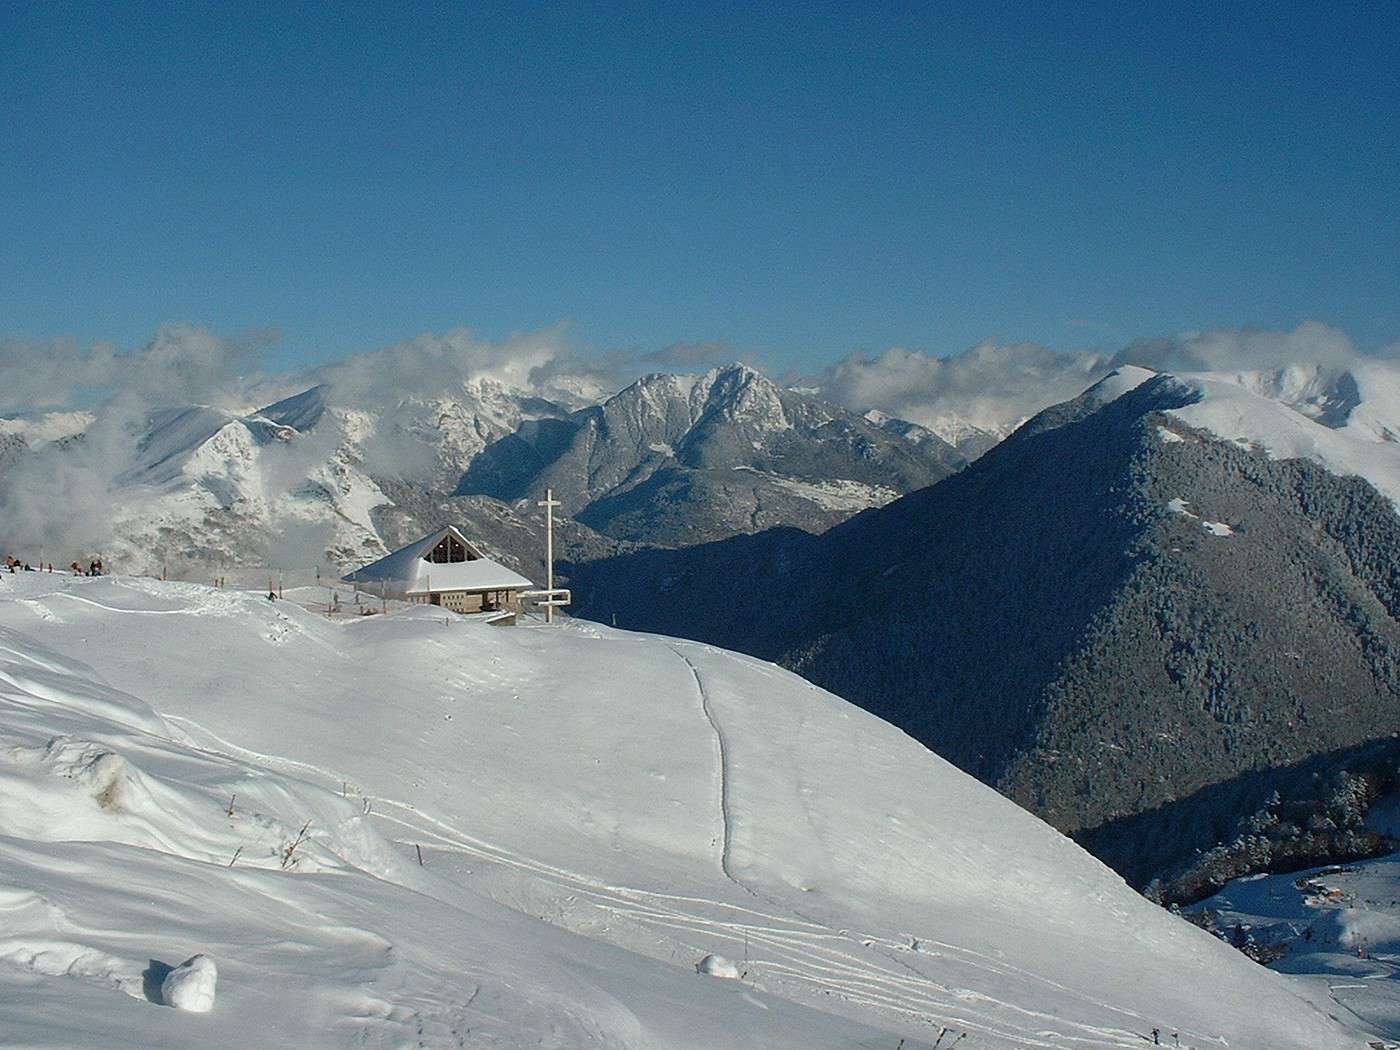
(416, 829)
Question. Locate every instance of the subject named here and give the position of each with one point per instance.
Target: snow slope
(597, 812)
(1347, 421)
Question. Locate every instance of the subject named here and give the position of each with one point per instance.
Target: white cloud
(691, 355)
(181, 364)
(992, 385)
(1242, 349)
(988, 385)
(431, 363)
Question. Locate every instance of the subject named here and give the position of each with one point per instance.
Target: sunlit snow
(189, 771)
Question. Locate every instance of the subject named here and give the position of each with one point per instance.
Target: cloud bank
(988, 385)
(994, 386)
(180, 364)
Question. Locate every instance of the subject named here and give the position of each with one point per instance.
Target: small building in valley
(444, 568)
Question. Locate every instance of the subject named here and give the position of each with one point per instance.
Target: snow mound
(190, 986)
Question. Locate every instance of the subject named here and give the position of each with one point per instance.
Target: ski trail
(115, 609)
(725, 812)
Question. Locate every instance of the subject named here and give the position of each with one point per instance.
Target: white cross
(549, 503)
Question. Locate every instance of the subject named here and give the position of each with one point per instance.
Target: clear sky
(800, 181)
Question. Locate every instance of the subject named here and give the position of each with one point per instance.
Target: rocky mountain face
(677, 459)
(1110, 616)
(341, 474)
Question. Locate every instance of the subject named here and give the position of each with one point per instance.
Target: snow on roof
(405, 571)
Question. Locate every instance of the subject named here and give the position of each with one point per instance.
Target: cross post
(549, 503)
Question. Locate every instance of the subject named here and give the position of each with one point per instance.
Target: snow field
(1341, 928)
(597, 812)
(1348, 423)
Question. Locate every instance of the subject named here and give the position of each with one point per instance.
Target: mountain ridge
(667, 448)
(342, 471)
(1095, 616)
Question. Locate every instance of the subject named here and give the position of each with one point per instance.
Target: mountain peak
(301, 411)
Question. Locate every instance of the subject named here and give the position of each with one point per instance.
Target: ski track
(115, 609)
(725, 814)
(804, 960)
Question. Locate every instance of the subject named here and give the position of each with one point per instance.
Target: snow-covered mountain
(416, 829)
(39, 429)
(683, 458)
(1129, 616)
(345, 469)
(967, 438)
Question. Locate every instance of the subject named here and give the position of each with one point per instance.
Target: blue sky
(799, 181)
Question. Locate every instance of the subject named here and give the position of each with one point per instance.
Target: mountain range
(1140, 615)
(675, 459)
(341, 472)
